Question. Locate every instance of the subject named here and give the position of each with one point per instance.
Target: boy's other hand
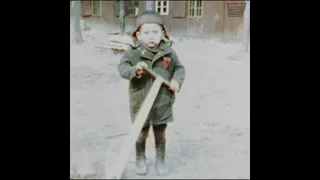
(175, 86)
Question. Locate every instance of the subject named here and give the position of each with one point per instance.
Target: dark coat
(161, 111)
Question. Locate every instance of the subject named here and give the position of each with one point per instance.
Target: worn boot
(141, 166)
(160, 140)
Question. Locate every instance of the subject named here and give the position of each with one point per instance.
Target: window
(132, 7)
(195, 8)
(236, 9)
(162, 7)
(96, 8)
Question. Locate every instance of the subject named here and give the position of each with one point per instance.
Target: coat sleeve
(179, 70)
(125, 67)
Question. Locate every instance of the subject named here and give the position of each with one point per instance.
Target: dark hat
(149, 17)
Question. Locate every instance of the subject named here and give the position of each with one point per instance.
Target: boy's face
(150, 34)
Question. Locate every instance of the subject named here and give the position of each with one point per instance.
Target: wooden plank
(128, 145)
(121, 39)
(154, 75)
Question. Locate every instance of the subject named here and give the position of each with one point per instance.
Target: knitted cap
(149, 17)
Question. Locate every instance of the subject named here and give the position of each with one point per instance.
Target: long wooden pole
(127, 148)
(125, 152)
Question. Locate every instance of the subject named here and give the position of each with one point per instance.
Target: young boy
(151, 50)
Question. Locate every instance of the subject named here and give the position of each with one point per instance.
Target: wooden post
(122, 16)
(246, 27)
(149, 5)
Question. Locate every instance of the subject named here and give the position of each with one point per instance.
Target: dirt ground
(210, 137)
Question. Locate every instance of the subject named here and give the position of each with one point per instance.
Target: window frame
(128, 7)
(100, 8)
(161, 7)
(195, 8)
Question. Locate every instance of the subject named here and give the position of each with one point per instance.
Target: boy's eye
(146, 32)
(155, 32)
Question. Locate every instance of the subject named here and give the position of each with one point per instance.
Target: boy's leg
(160, 142)
(141, 167)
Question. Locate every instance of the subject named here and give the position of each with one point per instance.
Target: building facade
(188, 18)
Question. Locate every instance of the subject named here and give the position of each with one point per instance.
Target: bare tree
(122, 17)
(76, 5)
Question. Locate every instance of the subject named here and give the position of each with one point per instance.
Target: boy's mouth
(152, 43)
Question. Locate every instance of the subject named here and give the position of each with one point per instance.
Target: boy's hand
(175, 86)
(139, 68)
